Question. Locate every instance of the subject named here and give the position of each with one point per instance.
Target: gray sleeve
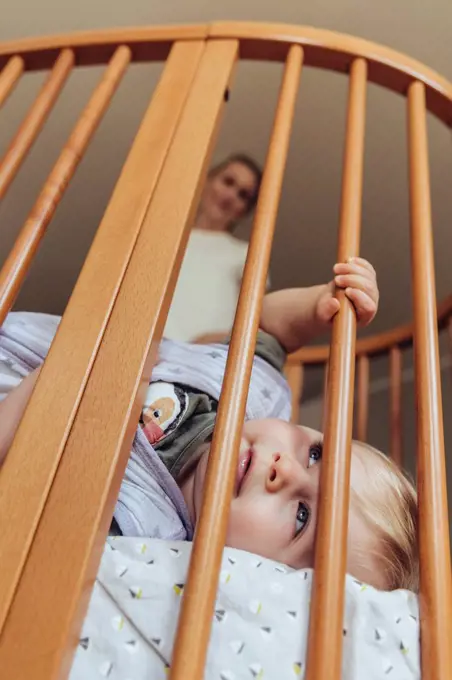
(269, 349)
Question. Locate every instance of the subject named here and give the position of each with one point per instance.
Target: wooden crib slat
(449, 331)
(65, 554)
(326, 368)
(294, 375)
(9, 77)
(57, 394)
(435, 565)
(395, 391)
(196, 615)
(327, 604)
(35, 119)
(363, 398)
(19, 260)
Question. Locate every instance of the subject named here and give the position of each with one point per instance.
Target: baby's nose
(281, 473)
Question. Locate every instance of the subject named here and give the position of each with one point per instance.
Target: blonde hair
(389, 507)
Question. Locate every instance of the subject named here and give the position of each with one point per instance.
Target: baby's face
(275, 500)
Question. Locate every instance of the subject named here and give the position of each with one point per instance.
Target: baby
(276, 496)
(274, 506)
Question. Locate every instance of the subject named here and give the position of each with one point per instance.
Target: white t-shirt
(208, 287)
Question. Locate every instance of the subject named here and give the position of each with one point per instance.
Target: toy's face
(163, 409)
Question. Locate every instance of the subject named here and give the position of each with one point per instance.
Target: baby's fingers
(355, 268)
(361, 262)
(365, 306)
(359, 282)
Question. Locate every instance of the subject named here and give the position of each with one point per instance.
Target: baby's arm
(297, 315)
(12, 409)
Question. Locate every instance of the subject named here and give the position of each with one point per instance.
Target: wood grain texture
(35, 119)
(196, 615)
(326, 372)
(395, 405)
(294, 376)
(362, 403)
(147, 43)
(335, 51)
(263, 41)
(65, 554)
(9, 77)
(17, 264)
(449, 332)
(435, 566)
(324, 658)
(56, 398)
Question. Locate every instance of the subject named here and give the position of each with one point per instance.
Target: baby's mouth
(244, 465)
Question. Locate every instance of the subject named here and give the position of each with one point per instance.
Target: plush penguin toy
(163, 409)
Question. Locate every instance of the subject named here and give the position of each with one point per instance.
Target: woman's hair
(389, 507)
(249, 163)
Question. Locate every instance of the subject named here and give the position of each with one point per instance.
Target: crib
(40, 555)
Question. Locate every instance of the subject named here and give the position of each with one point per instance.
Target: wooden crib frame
(55, 515)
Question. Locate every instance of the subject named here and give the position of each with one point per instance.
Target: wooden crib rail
(322, 49)
(197, 609)
(108, 338)
(362, 405)
(376, 345)
(51, 411)
(294, 374)
(16, 267)
(183, 154)
(91, 48)
(395, 387)
(35, 119)
(327, 604)
(9, 77)
(434, 549)
(391, 344)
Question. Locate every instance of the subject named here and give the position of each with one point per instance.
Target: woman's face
(228, 194)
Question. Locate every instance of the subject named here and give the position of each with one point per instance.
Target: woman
(207, 290)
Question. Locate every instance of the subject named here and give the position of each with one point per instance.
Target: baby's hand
(359, 280)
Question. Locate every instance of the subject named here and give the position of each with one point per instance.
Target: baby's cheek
(258, 529)
(243, 526)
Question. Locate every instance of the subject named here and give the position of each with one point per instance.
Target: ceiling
(304, 247)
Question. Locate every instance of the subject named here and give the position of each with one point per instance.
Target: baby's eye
(302, 518)
(315, 453)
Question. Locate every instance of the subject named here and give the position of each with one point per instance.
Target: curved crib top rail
(269, 42)
(376, 344)
(40, 551)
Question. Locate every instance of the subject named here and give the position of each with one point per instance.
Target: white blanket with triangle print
(260, 624)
